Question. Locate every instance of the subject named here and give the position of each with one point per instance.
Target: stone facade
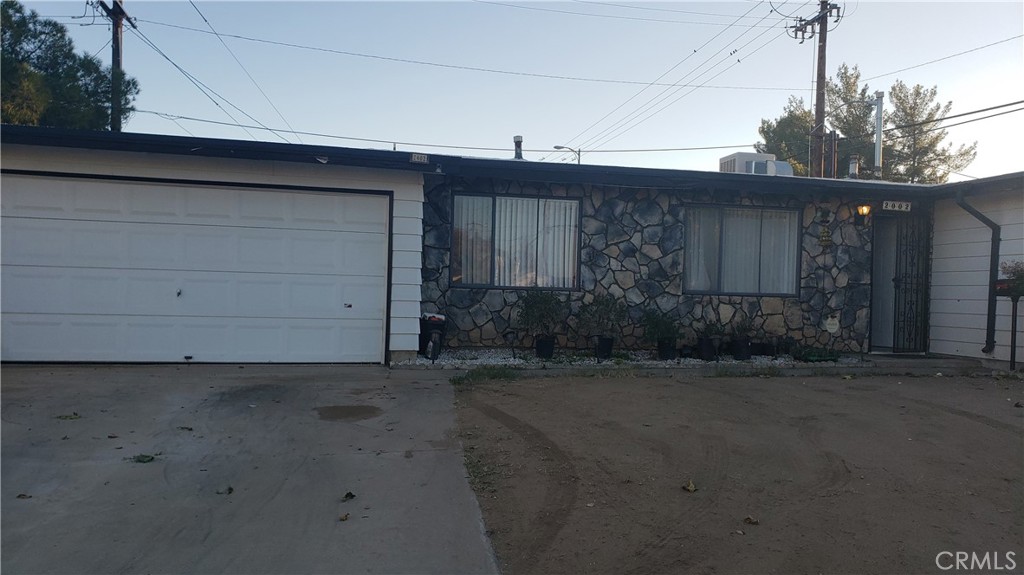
(632, 245)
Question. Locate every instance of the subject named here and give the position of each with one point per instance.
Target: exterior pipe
(993, 271)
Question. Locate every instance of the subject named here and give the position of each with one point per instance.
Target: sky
(645, 84)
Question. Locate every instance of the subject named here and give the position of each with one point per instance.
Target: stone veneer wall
(632, 243)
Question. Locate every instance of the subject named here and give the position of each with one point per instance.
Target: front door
(899, 301)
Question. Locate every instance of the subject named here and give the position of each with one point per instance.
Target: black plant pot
(545, 346)
(667, 348)
(706, 349)
(741, 349)
(604, 347)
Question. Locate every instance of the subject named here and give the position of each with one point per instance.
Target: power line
(639, 121)
(570, 12)
(608, 134)
(168, 116)
(960, 115)
(655, 82)
(443, 65)
(239, 62)
(673, 10)
(905, 126)
(173, 117)
(195, 81)
(945, 57)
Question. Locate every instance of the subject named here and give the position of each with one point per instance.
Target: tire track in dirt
(832, 473)
(655, 555)
(559, 497)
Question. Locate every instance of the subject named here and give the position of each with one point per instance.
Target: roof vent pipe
(854, 166)
(519, 146)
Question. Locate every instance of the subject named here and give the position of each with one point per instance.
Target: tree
(788, 136)
(915, 152)
(850, 114)
(913, 148)
(43, 82)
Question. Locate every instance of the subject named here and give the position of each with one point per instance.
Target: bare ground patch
(791, 475)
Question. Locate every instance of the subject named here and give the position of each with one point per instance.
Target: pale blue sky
(420, 106)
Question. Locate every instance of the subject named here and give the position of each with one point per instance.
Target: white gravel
(526, 358)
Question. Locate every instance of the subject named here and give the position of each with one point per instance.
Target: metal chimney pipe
(854, 166)
(519, 146)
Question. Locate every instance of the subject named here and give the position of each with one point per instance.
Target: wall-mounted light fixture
(861, 217)
(825, 234)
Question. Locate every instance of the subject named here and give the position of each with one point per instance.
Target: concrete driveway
(250, 471)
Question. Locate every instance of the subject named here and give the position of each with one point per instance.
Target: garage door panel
(155, 293)
(179, 203)
(147, 201)
(62, 338)
(28, 241)
(118, 271)
(72, 243)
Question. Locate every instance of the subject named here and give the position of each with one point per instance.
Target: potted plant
(708, 337)
(1013, 284)
(602, 318)
(540, 313)
(741, 330)
(661, 330)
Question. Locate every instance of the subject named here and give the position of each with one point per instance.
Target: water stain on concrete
(347, 412)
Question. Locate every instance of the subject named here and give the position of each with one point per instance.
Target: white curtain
(515, 241)
(778, 251)
(702, 233)
(741, 250)
(471, 242)
(556, 250)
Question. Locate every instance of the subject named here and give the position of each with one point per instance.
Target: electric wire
(170, 116)
(673, 10)
(592, 15)
(622, 125)
(946, 57)
(206, 90)
(640, 120)
(571, 141)
(244, 69)
(443, 65)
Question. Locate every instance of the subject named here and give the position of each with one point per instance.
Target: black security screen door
(910, 282)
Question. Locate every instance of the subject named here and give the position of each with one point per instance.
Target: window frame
(492, 284)
(720, 211)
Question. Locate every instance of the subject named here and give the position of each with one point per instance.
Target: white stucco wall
(960, 264)
(406, 223)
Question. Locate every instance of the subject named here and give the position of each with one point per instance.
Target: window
(512, 241)
(741, 250)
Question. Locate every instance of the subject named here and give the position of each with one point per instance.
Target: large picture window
(741, 250)
(514, 242)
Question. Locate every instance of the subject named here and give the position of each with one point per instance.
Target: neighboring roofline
(470, 167)
(990, 185)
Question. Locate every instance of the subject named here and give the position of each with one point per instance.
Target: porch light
(861, 218)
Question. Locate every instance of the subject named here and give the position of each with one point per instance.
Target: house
(132, 247)
(790, 254)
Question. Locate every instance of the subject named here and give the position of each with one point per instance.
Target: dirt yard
(789, 474)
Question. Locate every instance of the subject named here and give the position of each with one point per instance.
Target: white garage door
(97, 270)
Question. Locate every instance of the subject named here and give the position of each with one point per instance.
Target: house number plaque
(893, 206)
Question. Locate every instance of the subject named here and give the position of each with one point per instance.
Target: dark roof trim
(213, 148)
(469, 167)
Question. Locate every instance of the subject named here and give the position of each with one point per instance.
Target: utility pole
(878, 133)
(117, 17)
(818, 22)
